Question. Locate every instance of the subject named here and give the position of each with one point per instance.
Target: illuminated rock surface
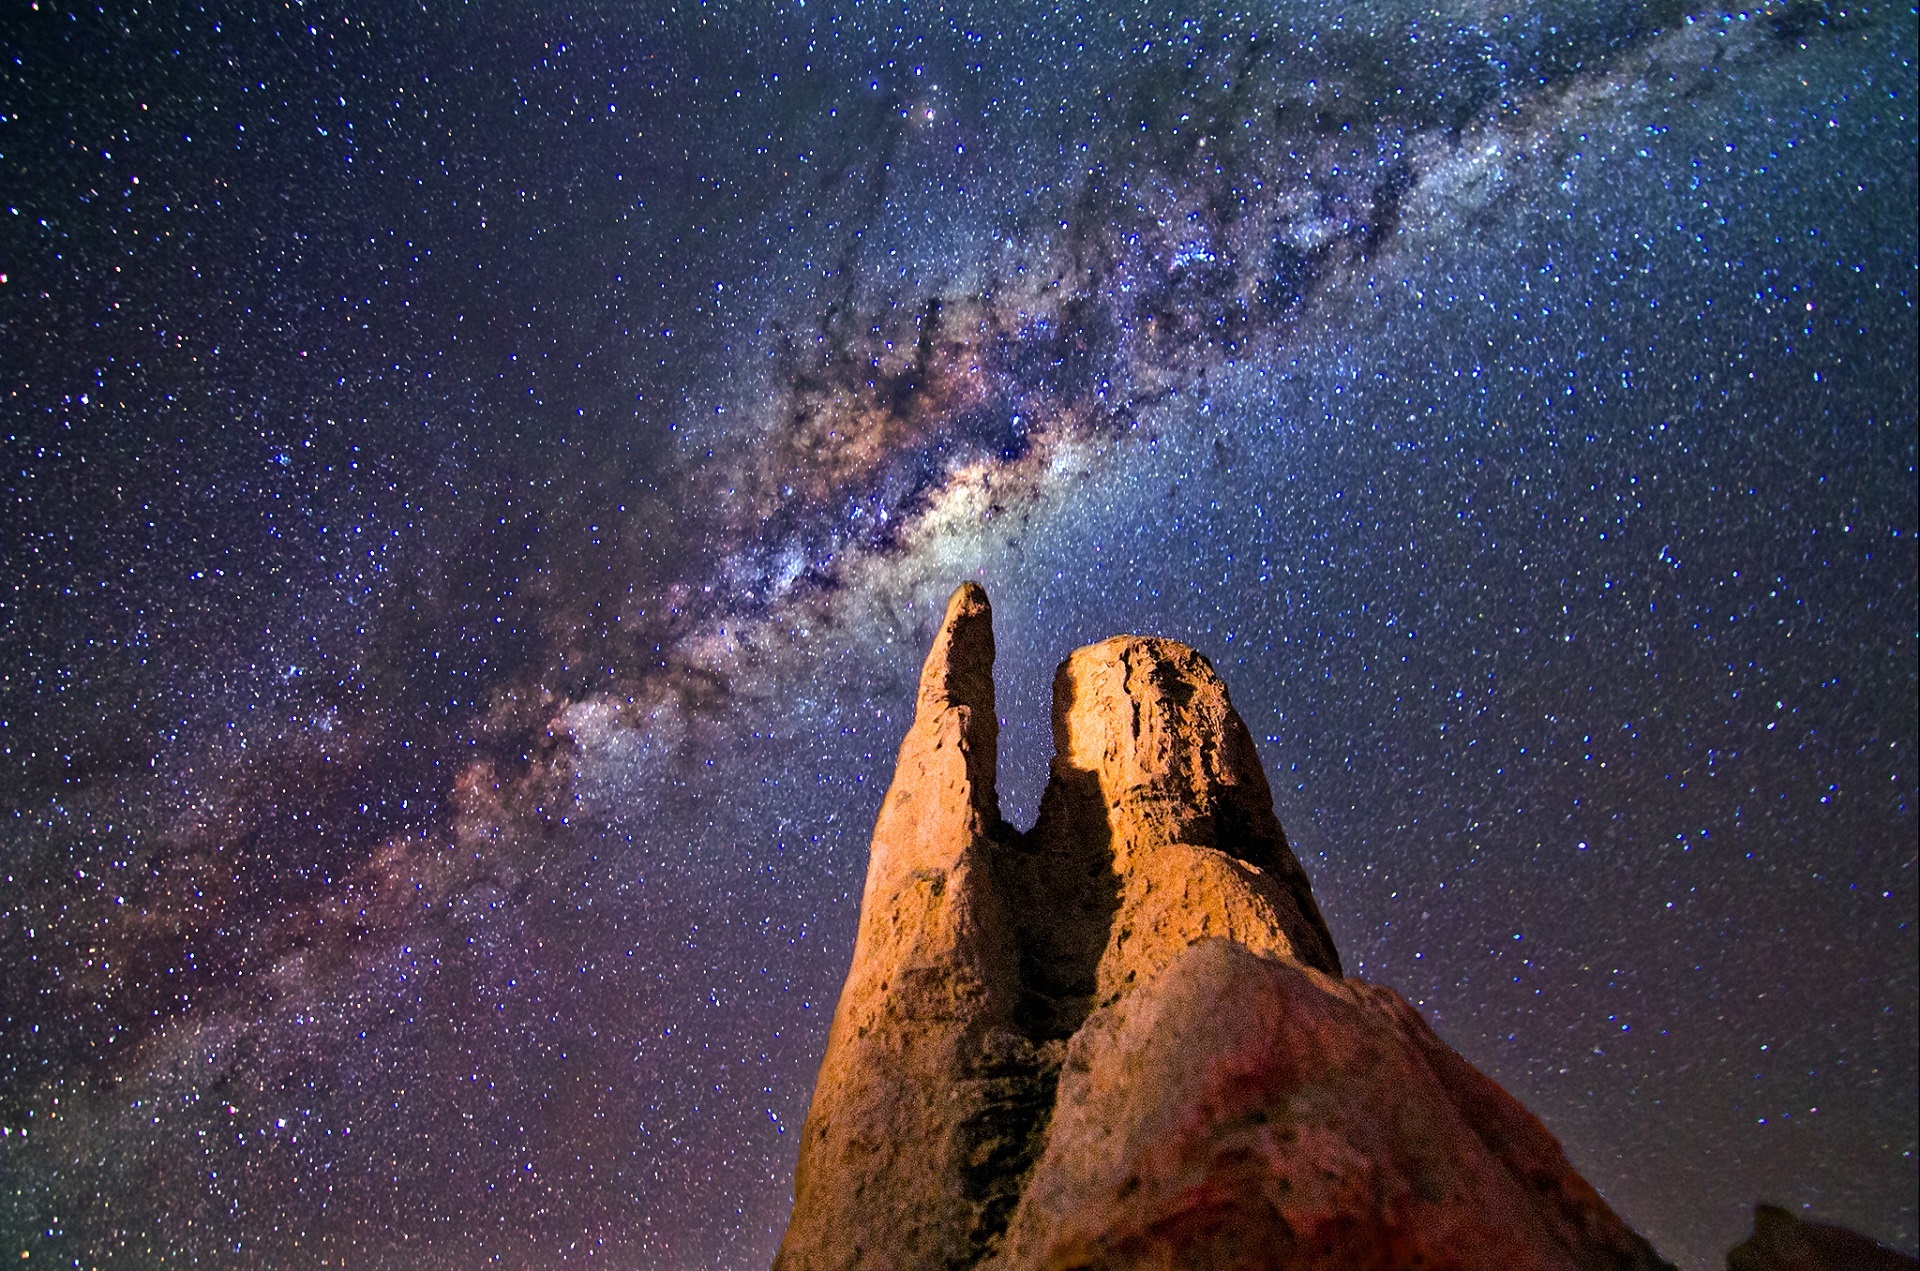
(1121, 1039)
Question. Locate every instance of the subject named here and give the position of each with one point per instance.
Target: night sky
(478, 485)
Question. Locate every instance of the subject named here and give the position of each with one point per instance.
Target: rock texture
(1247, 1111)
(1782, 1242)
(927, 1094)
(1122, 1039)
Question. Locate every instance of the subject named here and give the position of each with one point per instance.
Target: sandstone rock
(1782, 1242)
(1156, 829)
(900, 1156)
(1226, 1101)
(1246, 1111)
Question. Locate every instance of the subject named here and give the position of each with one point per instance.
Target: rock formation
(1122, 1039)
(1782, 1242)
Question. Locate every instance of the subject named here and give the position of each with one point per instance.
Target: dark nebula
(479, 484)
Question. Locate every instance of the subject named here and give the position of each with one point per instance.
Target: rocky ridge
(1122, 1039)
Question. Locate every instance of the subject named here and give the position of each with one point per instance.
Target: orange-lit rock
(1121, 1040)
(922, 1062)
(1244, 1111)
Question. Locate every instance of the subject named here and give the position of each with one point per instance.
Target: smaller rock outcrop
(1782, 1242)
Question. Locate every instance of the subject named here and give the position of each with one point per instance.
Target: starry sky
(479, 482)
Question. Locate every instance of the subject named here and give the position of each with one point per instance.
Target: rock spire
(1122, 1040)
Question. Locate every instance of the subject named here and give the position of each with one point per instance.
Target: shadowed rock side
(1782, 1242)
(1121, 1040)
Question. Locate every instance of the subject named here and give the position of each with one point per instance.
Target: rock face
(929, 1100)
(1122, 1039)
(1782, 1242)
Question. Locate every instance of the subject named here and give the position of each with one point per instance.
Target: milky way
(479, 484)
